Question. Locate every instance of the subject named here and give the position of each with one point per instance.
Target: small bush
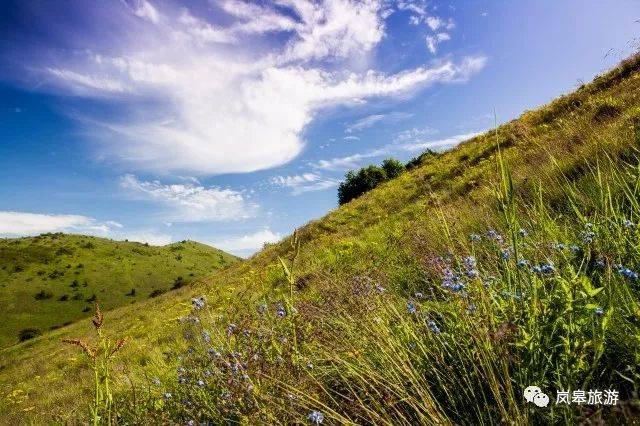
(63, 298)
(155, 293)
(393, 168)
(606, 109)
(43, 295)
(28, 333)
(177, 283)
(357, 183)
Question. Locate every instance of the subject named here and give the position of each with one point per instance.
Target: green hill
(435, 298)
(51, 280)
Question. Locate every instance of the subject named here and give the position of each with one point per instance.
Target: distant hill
(51, 280)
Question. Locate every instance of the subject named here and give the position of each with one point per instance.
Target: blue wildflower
(493, 235)
(380, 289)
(281, 312)
(457, 287)
(472, 273)
(214, 353)
(558, 246)
(505, 254)
(167, 395)
(231, 328)
(599, 312)
(411, 308)
(200, 383)
(588, 237)
(315, 417)
(628, 273)
(628, 224)
(475, 237)
(206, 336)
(547, 268)
(523, 263)
(199, 302)
(433, 327)
(600, 262)
(523, 232)
(574, 248)
(262, 308)
(469, 262)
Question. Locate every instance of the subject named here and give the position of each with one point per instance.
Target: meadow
(436, 298)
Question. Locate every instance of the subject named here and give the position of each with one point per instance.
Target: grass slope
(372, 359)
(50, 281)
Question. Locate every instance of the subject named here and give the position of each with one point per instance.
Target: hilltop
(367, 322)
(52, 280)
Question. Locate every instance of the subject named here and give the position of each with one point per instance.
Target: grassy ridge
(50, 281)
(392, 237)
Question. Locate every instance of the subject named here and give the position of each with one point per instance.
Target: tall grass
(548, 298)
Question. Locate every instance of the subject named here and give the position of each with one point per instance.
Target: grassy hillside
(50, 281)
(433, 299)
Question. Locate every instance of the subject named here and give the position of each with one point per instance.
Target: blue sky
(232, 122)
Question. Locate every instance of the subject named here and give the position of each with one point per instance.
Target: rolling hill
(51, 280)
(432, 299)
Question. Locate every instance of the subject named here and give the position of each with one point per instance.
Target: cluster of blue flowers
(315, 417)
(199, 302)
(626, 272)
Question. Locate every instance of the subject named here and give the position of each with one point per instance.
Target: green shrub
(28, 333)
(43, 295)
(357, 183)
(392, 167)
(155, 293)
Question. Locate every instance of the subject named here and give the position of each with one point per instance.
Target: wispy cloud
(191, 104)
(192, 203)
(434, 40)
(373, 119)
(150, 237)
(306, 182)
(22, 223)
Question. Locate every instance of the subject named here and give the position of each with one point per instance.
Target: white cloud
(88, 84)
(145, 10)
(246, 244)
(349, 162)
(413, 134)
(152, 238)
(434, 22)
(371, 120)
(196, 105)
(192, 203)
(336, 28)
(434, 40)
(306, 182)
(21, 223)
(202, 31)
(365, 122)
(351, 138)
